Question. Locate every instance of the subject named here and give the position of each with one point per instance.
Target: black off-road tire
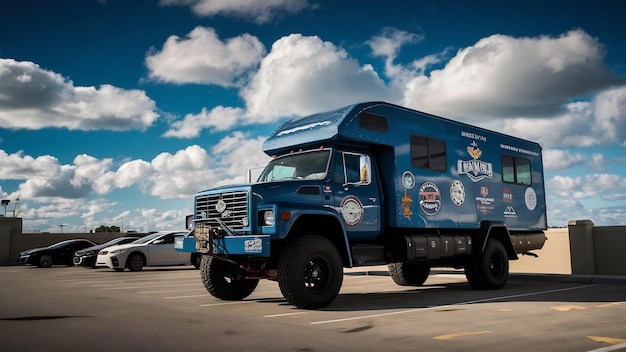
(490, 270)
(310, 272)
(135, 262)
(225, 280)
(409, 274)
(44, 261)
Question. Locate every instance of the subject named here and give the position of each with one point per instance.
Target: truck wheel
(310, 272)
(490, 270)
(409, 274)
(224, 280)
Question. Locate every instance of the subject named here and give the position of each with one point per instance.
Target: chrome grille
(233, 215)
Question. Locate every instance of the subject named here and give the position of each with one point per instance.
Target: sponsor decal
(429, 198)
(509, 212)
(406, 205)
(518, 150)
(484, 203)
(473, 136)
(507, 195)
(530, 198)
(475, 169)
(254, 245)
(351, 210)
(327, 189)
(408, 180)
(457, 192)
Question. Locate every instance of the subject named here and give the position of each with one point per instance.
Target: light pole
(61, 226)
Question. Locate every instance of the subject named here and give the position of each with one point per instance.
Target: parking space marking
(493, 299)
(283, 315)
(460, 334)
(176, 290)
(144, 286)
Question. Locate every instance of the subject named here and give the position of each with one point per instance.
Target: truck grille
(234, 215)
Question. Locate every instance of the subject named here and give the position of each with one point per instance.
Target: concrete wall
(12, 241)
(554, 257)
(597, 250)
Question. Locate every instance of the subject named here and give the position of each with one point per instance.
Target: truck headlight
(268, 218)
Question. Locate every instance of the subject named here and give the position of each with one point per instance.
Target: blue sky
(115, 112)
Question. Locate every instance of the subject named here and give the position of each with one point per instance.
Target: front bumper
(85, 260)
(109, 261)
(209, 240)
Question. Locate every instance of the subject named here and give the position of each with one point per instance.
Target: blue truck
(372, 184)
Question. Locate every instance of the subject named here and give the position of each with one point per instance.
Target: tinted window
(372, 122)
(428, 153)
(516, 170)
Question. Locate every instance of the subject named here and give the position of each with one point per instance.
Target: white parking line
(446, 305)
(143, 286)
(283, 315)
(610, 348)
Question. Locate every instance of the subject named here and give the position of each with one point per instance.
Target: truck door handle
(373, 199)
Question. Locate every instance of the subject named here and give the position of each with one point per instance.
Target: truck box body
(471, 180)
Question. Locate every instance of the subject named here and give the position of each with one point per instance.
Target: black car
(60, 253)
(87, 257)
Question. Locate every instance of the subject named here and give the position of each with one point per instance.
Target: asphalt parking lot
(168, 309)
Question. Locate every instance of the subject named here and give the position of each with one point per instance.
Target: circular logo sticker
(408, 180)
(457, 193)
(531, 198)
(430, 198)
(351, 210)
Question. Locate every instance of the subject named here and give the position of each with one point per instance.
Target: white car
(152, 250)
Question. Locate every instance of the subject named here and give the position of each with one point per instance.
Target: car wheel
(135, 262)
(310, 272)
(45, 261)
(224, 280)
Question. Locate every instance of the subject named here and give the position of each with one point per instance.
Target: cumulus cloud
(259, 11)
(34, 98)
(503, 76)
(303, 75)
(557, 159)
(604, 186)
(218, 119)
(201, 57)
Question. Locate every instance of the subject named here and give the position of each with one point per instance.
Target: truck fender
(313, 217)
(498, 231)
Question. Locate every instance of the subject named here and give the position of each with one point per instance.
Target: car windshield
(307, 165)
(116, 241)
(148, 238)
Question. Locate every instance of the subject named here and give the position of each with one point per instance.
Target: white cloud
(604, 186)
(557, 159)
(388, 45)
(304, 75)
(259, 11)
(218, 119)
(502, 76)
(34, 98)
(201, 57)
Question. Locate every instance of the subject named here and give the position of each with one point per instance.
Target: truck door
(355, 192)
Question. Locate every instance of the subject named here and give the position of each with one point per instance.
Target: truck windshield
(307, 165)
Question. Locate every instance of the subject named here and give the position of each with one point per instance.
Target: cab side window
(352, 168)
